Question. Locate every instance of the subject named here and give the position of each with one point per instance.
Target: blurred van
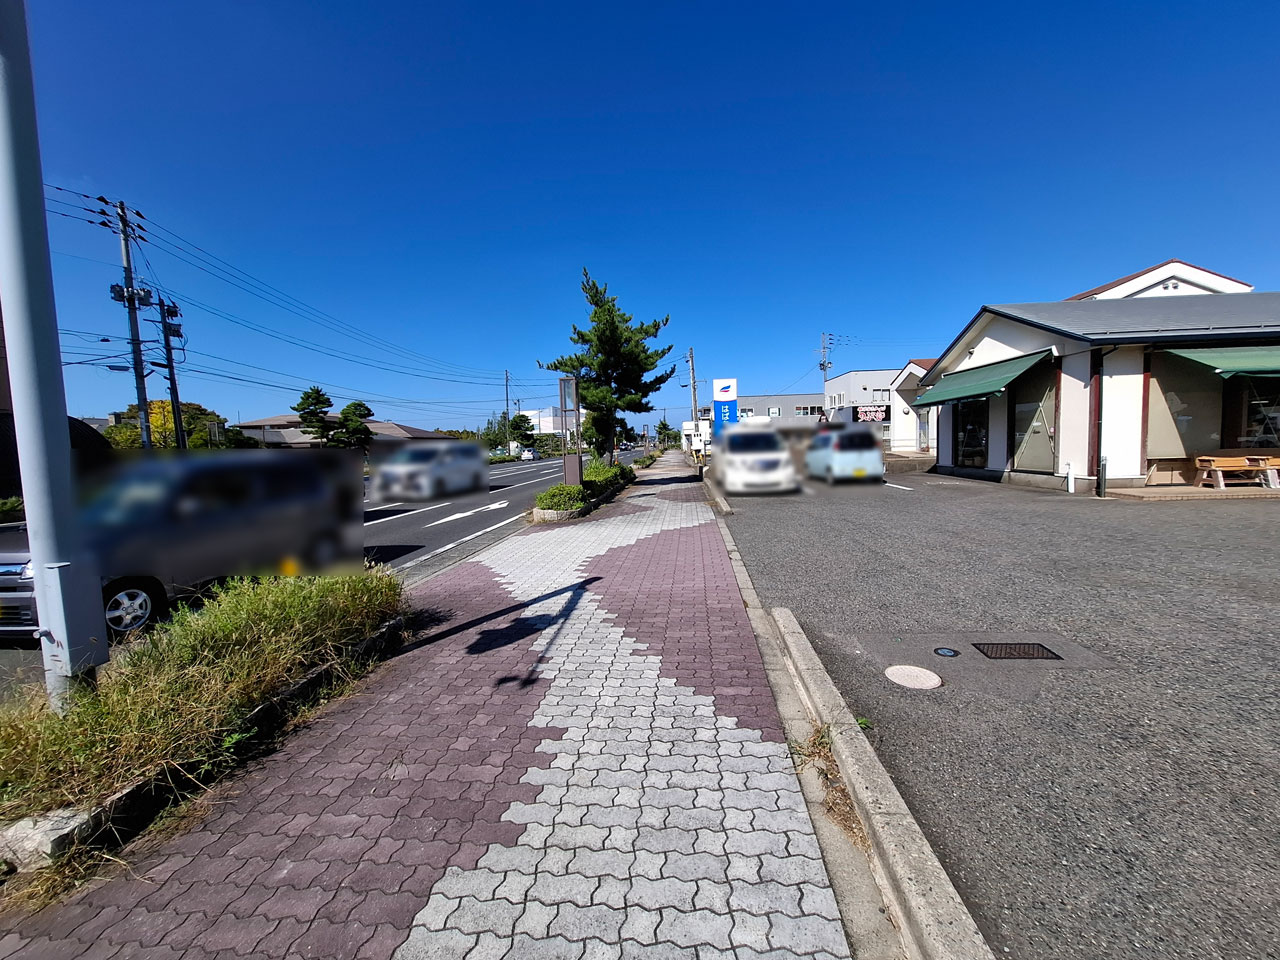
(162, 528)
(854, 453)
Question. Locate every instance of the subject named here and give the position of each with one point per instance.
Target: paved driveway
(1120, 802)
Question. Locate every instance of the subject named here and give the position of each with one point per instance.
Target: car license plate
(860, 472)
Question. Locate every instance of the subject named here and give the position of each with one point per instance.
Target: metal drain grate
(1016, 651)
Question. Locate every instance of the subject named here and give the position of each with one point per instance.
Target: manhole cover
(946, 652)
(1016, 651)
(917, 678)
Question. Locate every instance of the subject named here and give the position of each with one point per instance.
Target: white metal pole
(68, 591)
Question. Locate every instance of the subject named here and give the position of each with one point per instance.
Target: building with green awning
(1134, 374)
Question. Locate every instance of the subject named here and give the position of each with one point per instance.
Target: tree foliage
(352, 432)
(615, 368)
(313, 409)
(667, 435)
(522, 430)
(196, 424)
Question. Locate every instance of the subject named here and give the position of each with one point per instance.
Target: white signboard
(724, 390)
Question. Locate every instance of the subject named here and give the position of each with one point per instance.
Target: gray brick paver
(634, 801)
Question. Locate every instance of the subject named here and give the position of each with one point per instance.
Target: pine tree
(352, 432)
(614, 368)
(313, 409)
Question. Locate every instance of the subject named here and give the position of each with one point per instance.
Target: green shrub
(561, 497)
(503, 459)
(646, 461)
(179, 699)
(11, 510)
(599, 478)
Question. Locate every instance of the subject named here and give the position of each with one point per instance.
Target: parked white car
(755, 460)
(530, 454)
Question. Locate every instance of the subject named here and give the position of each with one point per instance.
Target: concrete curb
(716, 496)
(871, 932)
(933, 920)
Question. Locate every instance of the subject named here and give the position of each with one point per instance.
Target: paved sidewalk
(584, 760)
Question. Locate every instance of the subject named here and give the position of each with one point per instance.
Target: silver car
(424, 471)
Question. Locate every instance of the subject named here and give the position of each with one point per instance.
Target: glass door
(1034, 397)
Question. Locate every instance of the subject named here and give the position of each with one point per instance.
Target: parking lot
(1118, 802)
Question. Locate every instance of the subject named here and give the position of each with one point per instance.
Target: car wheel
(831, 477)
(130, 605)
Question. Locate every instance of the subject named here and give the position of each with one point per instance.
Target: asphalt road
(1119, 803)
(419, 539)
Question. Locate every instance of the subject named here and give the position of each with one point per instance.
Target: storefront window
(971, 419)
(1262, 412)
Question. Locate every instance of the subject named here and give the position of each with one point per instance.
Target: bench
(1218, 471)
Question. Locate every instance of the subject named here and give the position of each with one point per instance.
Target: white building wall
(998, 433)
(1122, 387)
(944, 435)
(1003, 339)
(905, 421)
(1172, 280)
(1072, 436)
(858, 387)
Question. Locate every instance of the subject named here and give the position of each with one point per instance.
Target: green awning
(1229, 360)
(979, 381)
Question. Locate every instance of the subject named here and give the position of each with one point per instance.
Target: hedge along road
(419, 539)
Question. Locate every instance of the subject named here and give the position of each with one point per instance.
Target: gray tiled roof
(1140, 318)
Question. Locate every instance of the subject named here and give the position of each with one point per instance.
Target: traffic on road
(416, 538)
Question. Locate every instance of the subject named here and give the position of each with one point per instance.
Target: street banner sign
(724, 404)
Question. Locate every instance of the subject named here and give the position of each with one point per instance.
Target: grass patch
(816, 752)
(178, 700)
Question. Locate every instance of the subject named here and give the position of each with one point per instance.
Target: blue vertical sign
(724, 405)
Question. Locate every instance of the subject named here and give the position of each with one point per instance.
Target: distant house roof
(1223, 315)
(1087, 294)
(291, 424)
(926, 364)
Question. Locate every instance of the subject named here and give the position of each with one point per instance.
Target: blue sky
(438, 174)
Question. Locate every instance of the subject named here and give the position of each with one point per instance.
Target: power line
(221, 269)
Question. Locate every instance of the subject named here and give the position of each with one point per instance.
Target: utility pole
(167, 311)
(693, 387)
(68, 589)
(507, 392)
(131, 297)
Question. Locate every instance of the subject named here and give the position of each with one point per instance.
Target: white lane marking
(468, 513)
(385, 506)
(434, 506)
(806, 489)
(896, 486)
(457, 543)
(534, 480)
